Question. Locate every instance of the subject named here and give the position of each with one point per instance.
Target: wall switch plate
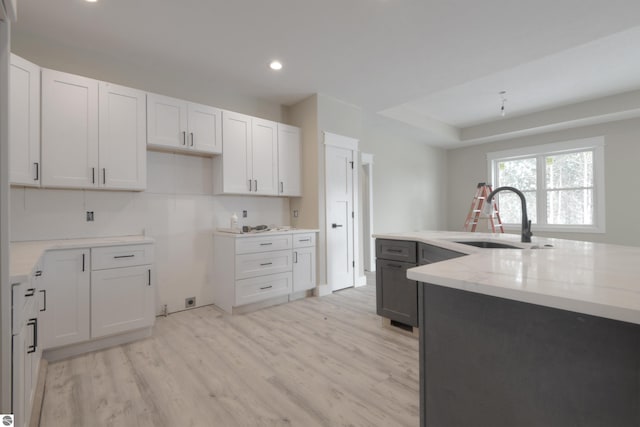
(190, 302)
(295, 213)
(89, 215)
(244, 214)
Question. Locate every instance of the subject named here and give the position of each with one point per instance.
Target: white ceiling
(435, 64)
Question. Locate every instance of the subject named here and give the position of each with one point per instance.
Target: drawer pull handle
(295, 257)
(395, 251)
(149, 282)
(266, 287)
(394, 265)
(336, 225)
(266, 244)
(82, 262)
(33, 322)
(124, 256)
(30, 292)
(38, 273)
(37, 171)
(304, 240)
(266, 263)
(184, 138)
(44, 295)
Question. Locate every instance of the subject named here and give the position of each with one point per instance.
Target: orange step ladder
(475, 211)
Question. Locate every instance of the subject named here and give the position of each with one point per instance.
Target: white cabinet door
(205, 128)
(123, 152)
(264, 157)
(24, 119)
(304, 269)
(65, 280)
(122, 299)
(236, 165)
(166, 122)
(69, 130)
(289, 160)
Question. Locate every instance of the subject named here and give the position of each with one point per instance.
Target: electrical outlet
(244, 214)
(89, 215)
(295, 213)
(190, 302)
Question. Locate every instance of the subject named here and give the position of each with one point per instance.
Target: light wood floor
(314, 362)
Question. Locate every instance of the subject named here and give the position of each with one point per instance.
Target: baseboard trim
(322, 290)
(361, 281)
(55, 354)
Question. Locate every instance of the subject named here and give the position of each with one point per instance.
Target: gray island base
(490, 361)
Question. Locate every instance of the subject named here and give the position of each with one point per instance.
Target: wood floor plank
(313, 362)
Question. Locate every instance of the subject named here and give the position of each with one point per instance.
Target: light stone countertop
(591, 278)
(25, 255)
(272, 232)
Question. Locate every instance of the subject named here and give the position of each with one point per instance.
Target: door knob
(334, 225)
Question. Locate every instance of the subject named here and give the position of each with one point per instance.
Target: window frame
(595, 144)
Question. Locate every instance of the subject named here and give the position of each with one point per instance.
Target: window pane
(570, 207)
(573, 170)
(510, 207)
(520, 173)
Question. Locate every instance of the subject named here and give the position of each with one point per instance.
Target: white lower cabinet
(121, 300)
(26, 350)
(66, 285)
(263, 267)
(304, 262)
(117, 295)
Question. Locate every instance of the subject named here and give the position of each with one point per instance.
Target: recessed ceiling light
(275, 65)
(91, 1)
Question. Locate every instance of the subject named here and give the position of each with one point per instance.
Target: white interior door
(339, 192)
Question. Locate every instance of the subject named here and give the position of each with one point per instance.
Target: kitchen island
(528, 337)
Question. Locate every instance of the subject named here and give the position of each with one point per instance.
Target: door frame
(348, 143)
(369, 246)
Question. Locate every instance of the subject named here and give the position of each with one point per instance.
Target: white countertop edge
(24, 256)
(546, 300)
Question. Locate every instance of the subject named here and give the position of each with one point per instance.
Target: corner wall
(468, 166)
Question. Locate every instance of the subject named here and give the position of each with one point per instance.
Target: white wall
(468, 166)
(409, 178)
(178, 210)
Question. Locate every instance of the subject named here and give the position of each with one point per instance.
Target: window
(563, 184)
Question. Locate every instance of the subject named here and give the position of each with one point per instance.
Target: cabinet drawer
(121, 256)
(428, 254)
(259, 264)
(304, 240)
(261, 288)
(396, 250)
(264, 243)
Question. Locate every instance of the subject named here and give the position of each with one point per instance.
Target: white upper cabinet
(205, 128)
(235, 165)
(69, 130)
(264, 156)
(122, 148)
(92, 134)
(249, 164)
(289, 161)
(177, 125)
(24, 119)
